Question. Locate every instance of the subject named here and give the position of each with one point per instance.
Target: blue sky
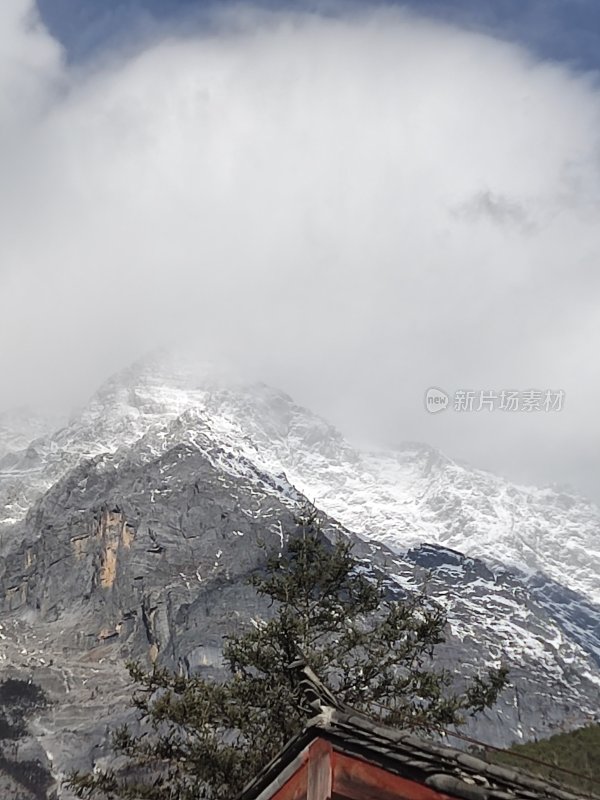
(562, 30)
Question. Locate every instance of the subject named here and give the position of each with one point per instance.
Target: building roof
(443, 769)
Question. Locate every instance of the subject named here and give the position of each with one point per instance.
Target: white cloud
(358, 208)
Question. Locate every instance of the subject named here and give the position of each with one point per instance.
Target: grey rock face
(147, 523)
(402, 497)
(126, 557)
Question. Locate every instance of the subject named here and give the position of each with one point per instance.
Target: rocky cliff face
(401, 497)
(135, 527)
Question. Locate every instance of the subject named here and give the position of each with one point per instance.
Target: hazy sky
(356, 205)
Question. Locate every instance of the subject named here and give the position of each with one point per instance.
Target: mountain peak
(402, 496)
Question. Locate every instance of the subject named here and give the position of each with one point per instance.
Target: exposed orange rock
(114, 530)
(108, 566)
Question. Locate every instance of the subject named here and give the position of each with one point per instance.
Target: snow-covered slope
(132, 529)
(415, 494)
(20, 426)
(403, 497)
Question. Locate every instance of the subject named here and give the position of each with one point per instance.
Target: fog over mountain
(131, 532)
(352, 207)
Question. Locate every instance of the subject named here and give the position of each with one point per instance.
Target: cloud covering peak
(355, 207)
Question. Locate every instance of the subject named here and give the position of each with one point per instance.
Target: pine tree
(373, 652)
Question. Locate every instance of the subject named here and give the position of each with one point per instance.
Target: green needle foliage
(570, 759)
(205, 739)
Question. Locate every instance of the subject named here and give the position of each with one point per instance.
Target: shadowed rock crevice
(21, 776)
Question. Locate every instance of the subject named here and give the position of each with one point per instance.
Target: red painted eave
(321, 773)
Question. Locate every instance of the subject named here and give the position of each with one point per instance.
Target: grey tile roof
(437, 766)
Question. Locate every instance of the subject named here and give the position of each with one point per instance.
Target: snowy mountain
(20, 426)
(403, 497)
(131, 530)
